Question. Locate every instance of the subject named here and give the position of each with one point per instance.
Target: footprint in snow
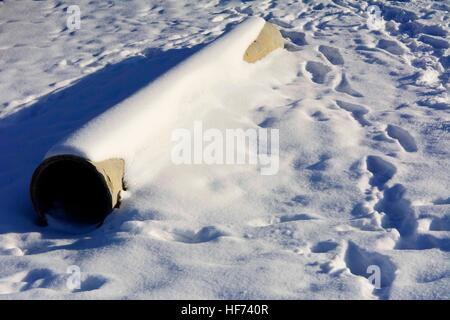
(365, 264)
(297, 40)
(318, 71)
(390, 46)
(441, 201)
(358, 112)
(295, 217)
(404, 138)
(9, 247)
(301, 200)
(398, 210)
(320, 165)
(332, 54)
(436, 43)
(205, 234)
(382, 171)
(345, 87)
(24, 281)
(324, 246)
(320, 116)
(44, 278)
(268, 122)
(440, 223)
(91, 283)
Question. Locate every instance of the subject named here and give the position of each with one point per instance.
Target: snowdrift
(80, 179)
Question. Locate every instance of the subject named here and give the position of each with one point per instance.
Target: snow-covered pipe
(82, 176)
(75, 189)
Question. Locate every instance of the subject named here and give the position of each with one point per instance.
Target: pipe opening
(70, 189)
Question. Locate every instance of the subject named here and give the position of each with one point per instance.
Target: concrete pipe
(75, 189)
(269, 39)
(80, 179)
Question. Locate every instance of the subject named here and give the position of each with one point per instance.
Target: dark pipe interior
(70, 189)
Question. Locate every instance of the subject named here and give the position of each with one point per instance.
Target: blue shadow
(28, 134)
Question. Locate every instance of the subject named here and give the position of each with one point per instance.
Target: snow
(164, 105)
(364, 168)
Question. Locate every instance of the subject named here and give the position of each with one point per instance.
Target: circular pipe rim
(45, 164)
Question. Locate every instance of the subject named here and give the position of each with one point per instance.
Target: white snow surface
(166, 103)
(364, 120)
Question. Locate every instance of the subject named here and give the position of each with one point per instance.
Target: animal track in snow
(345, 87)
(332, 54)
(403, 137)
(357, 111)
(318, 71)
